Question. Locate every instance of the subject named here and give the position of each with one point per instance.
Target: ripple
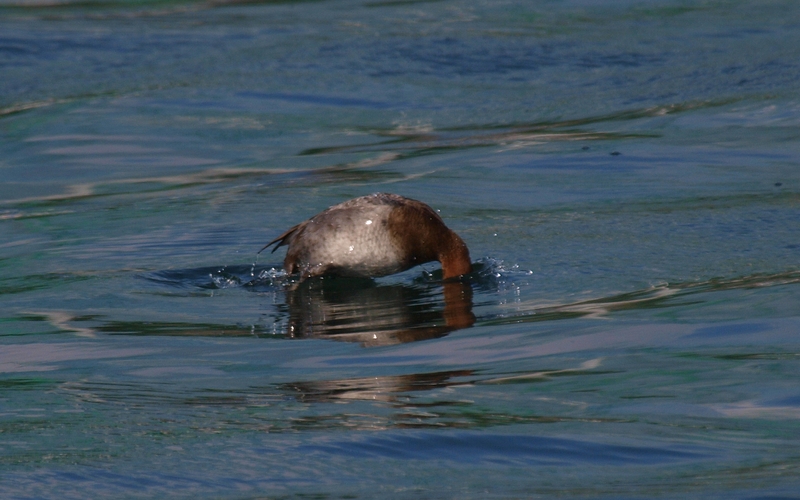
(508, 449)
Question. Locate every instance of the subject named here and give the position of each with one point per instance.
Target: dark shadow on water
(370, 312)
(363, 311)
(374, 313)
(333, 308)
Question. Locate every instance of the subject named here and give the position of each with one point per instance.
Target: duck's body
(372, 236)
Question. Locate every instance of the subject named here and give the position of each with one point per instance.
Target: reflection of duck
(376, 314)
(372, 236)
(381, 388)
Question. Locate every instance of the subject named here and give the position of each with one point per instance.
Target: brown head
(422, 236)
(454, 256)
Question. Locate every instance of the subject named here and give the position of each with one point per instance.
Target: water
(624, 173)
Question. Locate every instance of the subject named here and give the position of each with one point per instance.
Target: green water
(624, 173)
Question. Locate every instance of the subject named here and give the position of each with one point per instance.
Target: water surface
(624, 173)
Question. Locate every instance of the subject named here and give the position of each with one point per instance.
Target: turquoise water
(625, 173)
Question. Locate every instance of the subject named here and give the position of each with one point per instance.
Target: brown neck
(421, 236)
(454, 257)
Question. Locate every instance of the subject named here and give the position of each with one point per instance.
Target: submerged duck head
(372, 236)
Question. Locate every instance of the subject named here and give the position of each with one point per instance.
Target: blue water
(625, 173)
